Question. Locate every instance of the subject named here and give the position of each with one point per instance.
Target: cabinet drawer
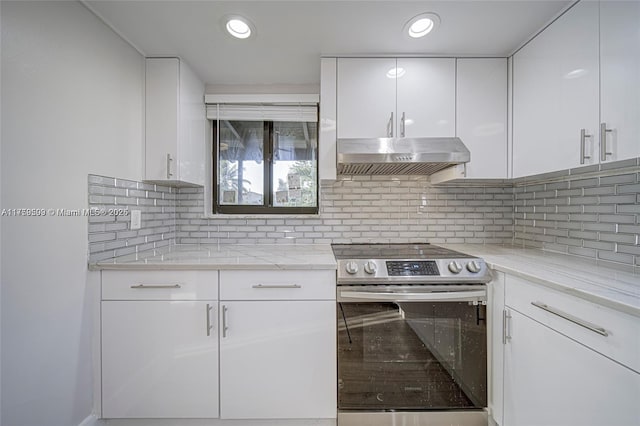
(159, 285)
(571, 316)
(278, 285)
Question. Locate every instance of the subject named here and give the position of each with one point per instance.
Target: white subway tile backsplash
(593, 215)
(601, 216)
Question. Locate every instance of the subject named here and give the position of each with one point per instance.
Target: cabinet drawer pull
(390, 126)
(569, 317)
(506, 329)
(603, 141)
(277, 286)
(143, 286)
(583, 141)
(169, 160)
(224, 321)
(403, 124)
(209, 326)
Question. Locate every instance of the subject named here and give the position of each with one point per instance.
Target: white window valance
(260, 112)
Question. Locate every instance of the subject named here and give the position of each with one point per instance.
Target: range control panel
(404, 268)
(451, 270)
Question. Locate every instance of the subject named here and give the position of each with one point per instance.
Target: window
(266, 167)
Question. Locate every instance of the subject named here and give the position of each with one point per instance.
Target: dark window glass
(265, 167)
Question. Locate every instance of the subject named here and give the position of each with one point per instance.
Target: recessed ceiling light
(238, 27)
(396, 72)
(421, 25)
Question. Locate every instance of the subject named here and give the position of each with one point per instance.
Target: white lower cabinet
(277, 359)
(266, 350)
(551, 379)
(278, 345)
(495, 309)
(159, 359)
(567, 361)
(159, 344)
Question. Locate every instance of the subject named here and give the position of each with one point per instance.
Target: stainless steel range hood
(399, 156)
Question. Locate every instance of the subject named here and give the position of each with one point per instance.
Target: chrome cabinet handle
(402, 125)
(582, 323)
(583, 141)
(144, 286)
(277, 286)
(209, 326)
(603, 141)
(224, 321)
(506, 327)
(169, 160)
(390, 126)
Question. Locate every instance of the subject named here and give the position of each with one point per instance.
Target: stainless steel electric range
(412, 335)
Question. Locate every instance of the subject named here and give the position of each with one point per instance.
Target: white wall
(72, 103)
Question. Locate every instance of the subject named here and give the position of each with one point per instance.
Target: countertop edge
(564, 288)
(212, 267)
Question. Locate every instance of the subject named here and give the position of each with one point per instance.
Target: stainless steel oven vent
(403, 156)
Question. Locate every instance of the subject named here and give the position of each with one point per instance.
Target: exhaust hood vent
(403, 156)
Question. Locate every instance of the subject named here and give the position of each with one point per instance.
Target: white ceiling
(292, 35)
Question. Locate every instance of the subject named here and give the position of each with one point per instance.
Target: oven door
(411, 348)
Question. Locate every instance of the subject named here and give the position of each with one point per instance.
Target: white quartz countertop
(602, 283)
(193, 256)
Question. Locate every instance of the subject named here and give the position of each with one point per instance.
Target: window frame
(267, 207)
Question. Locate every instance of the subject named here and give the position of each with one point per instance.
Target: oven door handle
(457, 296)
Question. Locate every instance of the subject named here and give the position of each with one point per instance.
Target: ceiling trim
(112, 27)
(544, 27)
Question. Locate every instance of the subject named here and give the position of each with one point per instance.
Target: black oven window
(411, 356)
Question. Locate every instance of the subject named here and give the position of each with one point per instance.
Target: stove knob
(370, 267)
(473, 266)
(455, 267)
(352, 267)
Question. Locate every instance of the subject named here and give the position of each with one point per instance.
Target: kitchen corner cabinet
(388, 97)
(277, 345)
(557, 372)
(159, 344)
(174, 123)
(555, 94)
(576, 90)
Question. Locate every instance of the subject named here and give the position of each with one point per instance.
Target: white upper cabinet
(388, 97)
(366, 104)
(426, 97)
(327, 141)
(174, 123)
(620, 79)
(481, 115)
(556, 83)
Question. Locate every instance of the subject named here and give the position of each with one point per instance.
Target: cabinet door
(161, 117)
(620, 77)
(189, 164)
(426, 97)
(481, 115)
(159, 360)
(366, 102)
(278, 360)
(327, 142)
(555, 94)
(553, 380)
